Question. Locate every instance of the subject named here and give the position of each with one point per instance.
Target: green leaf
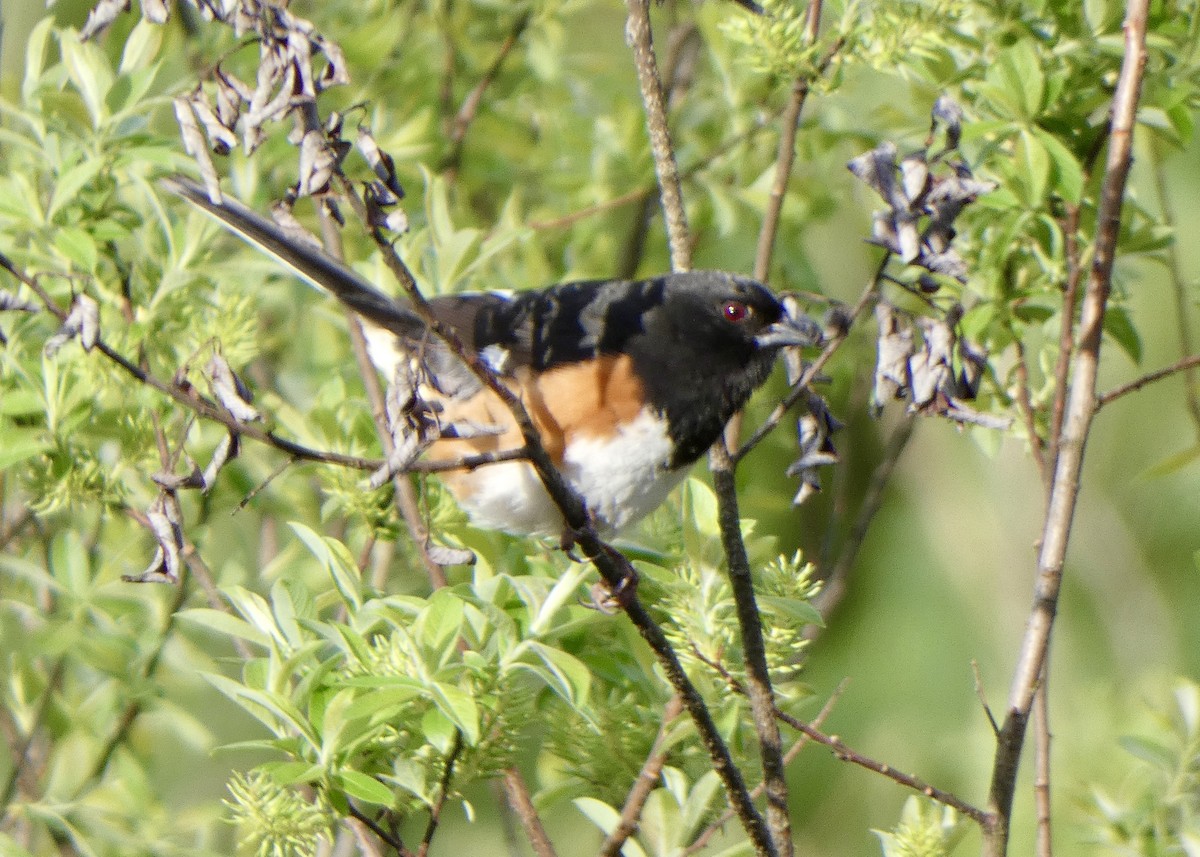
(384, 703)
(337, 561)
(1119, 325)
(70, 181)
(141, 47)
(1034, 162)
(362, 787)
(562, 672)
(35, 58)
(1067, 173)
(292, 773)
(224, 623)
(17, 445)
(78, 247)
(89, 71)
(439, 623)
(460, 707)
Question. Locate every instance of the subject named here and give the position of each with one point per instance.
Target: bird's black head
(711, 342)
(713, 311)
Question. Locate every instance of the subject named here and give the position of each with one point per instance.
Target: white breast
(621, 479)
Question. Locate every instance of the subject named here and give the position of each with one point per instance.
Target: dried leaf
(156, 11)
(445, 555)
(894, 347)
(83, 321)
(12, 303)
(220, 138)
(230, 392)
(101, 17)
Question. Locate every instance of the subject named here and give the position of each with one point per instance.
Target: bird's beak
(794, 328)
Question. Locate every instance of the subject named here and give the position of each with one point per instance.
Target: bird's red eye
(735, 311)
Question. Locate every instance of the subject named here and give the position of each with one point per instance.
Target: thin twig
(846, 754)
(1081, 407)
(20, 757)
(435, 811)
(1037, 444)
(641, 40)
(799, 744)
(1149, 378)
(470, 105)
(384, 836)
(522, 804)
(647, 779)
(1183, 301)
(835, 581)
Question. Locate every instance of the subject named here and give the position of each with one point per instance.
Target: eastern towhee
(627, 381)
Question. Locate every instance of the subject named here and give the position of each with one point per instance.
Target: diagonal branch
(1080, 408)
(647, 779)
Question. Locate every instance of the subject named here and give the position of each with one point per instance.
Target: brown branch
(470, 105)
(1149, 378)
(799, 744)
(758, 677)
(522, 804)
(786, 156)
(641, 40)
(435, 811)
(1080, 408)
(846, 754)
(647, 779)
(1037, 445)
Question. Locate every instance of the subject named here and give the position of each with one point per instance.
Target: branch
(1149, 378)
(1081, 406)
(845, 754)
(647, 779)
(522, 805)
(435, 811)
(803, 741)
(787, 145)
(641, 40)
(758, 677)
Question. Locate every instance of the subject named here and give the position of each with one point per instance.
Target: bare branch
(435, 811)
(841, 751)
(640, 38)
(647, 779)
(1080, 408)
(1149, 378)
(522, 805)
(758, 677)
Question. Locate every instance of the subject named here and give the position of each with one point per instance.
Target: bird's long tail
(309, 261)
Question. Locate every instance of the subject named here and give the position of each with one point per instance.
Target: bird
(628, 382)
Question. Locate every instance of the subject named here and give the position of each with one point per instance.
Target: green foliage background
(944, 577)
